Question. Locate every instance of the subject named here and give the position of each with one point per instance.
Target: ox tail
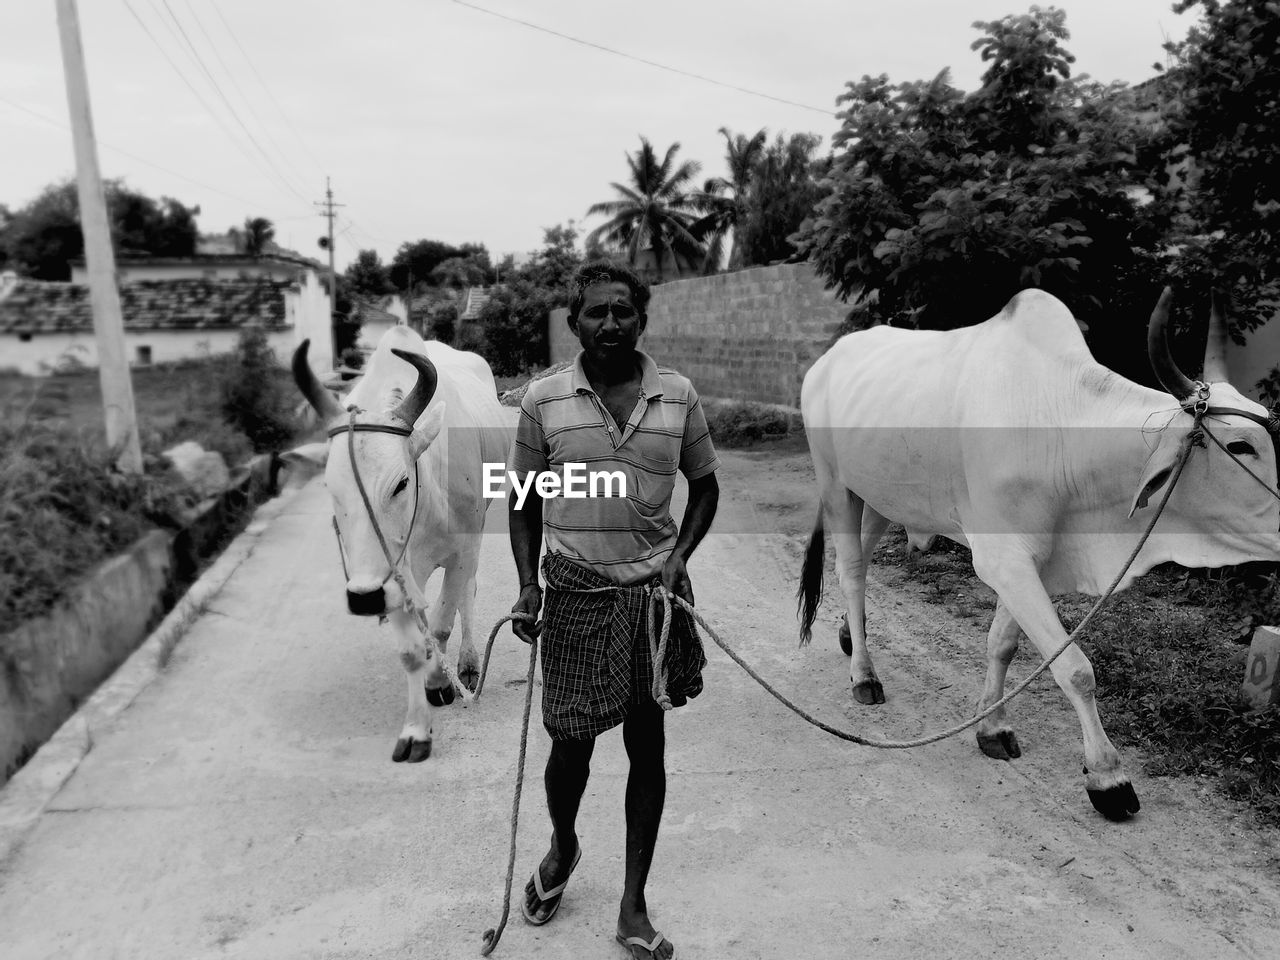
(810, 592)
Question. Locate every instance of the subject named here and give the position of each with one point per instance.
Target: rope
(1189, 444)
(494, 934)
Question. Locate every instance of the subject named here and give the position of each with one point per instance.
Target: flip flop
(649, 946)
(545, 896)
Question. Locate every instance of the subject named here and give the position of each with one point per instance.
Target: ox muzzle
(367, 603)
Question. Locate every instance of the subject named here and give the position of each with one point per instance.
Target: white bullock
(1009, 437)
(427, 404)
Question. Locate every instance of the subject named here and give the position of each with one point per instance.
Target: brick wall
(749, 335)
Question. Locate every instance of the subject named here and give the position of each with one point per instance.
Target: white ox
(449, 399)
(1009, 437)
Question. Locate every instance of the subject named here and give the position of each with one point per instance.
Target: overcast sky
(435, 119)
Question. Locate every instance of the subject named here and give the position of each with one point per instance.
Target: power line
(236, 83)
(195, 54)
(144, 160)
(247, 59)
(650, 63)
(196, 93)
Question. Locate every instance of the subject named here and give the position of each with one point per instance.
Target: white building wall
(43, 352)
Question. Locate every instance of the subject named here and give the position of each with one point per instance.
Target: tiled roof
(35, 306)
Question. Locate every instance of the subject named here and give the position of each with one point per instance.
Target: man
(613, 410)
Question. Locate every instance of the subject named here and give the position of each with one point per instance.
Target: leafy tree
(258, 232)
(724, 199)
(551, 267)
(41, 239)
(459, 272)
(421, 257)
(654, 211)
(514, 321)
(783, 192)
(943, 205)
(367, 275)
(1224, 95)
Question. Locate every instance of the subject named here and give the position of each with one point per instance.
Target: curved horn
(319, 398)
(1167, 372)
(1215, 347)
(424, 389)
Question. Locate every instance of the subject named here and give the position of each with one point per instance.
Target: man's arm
(704, 497)
(526, 544)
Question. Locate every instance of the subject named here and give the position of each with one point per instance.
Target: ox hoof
(413, 751)
(868, 691)
(469, 674)
(1115, 803)
(1001, 745)
(441, 697)
(846, 639)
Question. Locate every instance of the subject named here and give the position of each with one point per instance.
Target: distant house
(47, 325)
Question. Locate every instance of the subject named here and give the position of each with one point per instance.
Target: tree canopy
(40, 239)
(653, 212)
(942, 204)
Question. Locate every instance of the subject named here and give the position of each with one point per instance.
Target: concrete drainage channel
(100, 632)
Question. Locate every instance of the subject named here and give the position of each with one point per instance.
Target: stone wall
(749, 335)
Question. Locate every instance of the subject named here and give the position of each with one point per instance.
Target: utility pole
(327, 210)
(108, 320)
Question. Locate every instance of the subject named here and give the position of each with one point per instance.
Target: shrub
(64, 507)
(253, 398)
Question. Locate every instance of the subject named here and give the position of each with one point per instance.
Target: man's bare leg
(566, 775)
(645, 740)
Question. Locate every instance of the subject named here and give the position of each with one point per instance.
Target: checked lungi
(596, 661)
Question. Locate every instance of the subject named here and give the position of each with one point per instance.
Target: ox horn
(319, 398)
(1167, 372)
(424, 389)
(1215, 347)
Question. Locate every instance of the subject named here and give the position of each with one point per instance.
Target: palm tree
(724, 213)
(653, 212)
(258, 232)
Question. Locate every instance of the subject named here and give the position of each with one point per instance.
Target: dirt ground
(244, 804)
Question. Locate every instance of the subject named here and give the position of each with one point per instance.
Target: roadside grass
(1169, 655)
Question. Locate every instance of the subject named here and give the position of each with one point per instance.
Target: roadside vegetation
(64, 507)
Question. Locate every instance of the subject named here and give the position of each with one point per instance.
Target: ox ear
(1155, 475)
(421, 437)
(304, 462)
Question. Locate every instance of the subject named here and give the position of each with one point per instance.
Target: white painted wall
(306, 313)
(41, 353)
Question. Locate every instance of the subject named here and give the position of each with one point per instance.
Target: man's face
(608, 325)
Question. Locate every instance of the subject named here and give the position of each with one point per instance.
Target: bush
(253, 398)
(64, 508)
(515, 327)
(742, 423)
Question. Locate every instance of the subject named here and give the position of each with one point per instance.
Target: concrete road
(246, 805)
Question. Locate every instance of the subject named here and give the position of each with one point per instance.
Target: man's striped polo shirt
(562, 420)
